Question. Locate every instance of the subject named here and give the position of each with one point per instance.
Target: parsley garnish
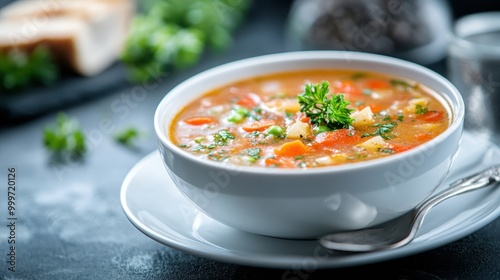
(253, 152)
(383, 130)
(322, 110)
(222, 136)
(420, 110)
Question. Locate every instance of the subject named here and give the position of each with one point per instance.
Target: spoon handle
(473, 182)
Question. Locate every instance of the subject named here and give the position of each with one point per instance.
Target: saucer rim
(291, 262)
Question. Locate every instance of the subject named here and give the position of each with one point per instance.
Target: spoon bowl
(400, 231)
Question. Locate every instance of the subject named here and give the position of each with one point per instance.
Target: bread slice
(83, 35)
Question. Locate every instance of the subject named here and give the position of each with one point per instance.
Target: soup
(309, 119)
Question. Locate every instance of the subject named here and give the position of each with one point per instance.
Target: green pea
(322, 128)
(235, 117)
(276, 130)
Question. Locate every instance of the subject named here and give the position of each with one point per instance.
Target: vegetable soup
(309, 119)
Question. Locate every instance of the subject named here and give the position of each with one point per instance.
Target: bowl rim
(457, 109)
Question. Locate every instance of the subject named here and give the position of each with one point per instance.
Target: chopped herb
(222, 136)
(359, 103)
(127, 136)
(383, 130)
(253, 134)
(253, 152)
(400, 117)
(367, 91)
(420, 110)
(299, 157)
(387, 118)
(402, 83)
(184, 145)
(65, 137)
(387, 151)
(331, 112)
(202, 148)
(358, 75)
(288, 115)
(302, 164)
(198, 140)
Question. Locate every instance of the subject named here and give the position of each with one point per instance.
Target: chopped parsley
(420, 110)
(383, 130)
(254, 153)
(222, 137)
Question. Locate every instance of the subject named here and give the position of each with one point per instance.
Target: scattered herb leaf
(127, 136)
(420, 110)
(222, 136)
(65, 137)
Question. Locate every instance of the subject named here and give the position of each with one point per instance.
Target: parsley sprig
(65, 137)
(324, 109)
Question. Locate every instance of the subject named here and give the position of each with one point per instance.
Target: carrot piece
(432, 116)
(279, 162)
(305, 119)
(346, 86)
(336, 138)
(199, 120)
(377, 84)
(423, 137)
(260, 125)
(373, 107)
(292, 149)
(247, 101)
(397, 148)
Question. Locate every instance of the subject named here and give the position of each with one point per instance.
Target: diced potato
(413, 103)
(283, 105)
(363, 117)
(427, 127)
(374, 144)
(332, 159)
(291, 106)
(298, 130)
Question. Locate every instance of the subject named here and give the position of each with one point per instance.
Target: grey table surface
(71, 225)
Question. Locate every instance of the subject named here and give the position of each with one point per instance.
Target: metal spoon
(402, 230)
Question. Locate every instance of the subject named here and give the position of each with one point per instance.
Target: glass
(474, 68)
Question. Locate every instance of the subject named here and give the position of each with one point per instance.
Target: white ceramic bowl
(293, 203)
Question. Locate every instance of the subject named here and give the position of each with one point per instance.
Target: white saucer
(154, 205)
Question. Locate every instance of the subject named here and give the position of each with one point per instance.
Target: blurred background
(56, 54)
(79, 84)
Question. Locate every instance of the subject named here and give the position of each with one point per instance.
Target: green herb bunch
(172, 34)
(65, 137)
(325, 109)
(20, 69)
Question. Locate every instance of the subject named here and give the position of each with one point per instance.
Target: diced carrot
(292, 149)
(282, 162)
(336, 138)
(247, 101)
(305, 119)
(373, 107)
(346, 86)
(423, 137)
(432, 116)
(377, 84)
(398, 148)
(260, 125)
(199, 120)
